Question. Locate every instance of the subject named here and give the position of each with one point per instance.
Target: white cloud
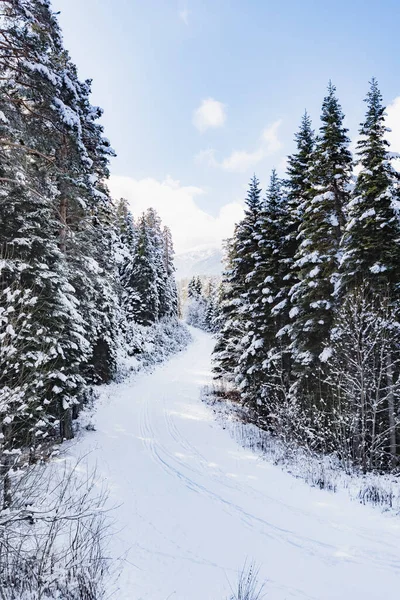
(210, 113)
(393, 123)
(207, 157)
(270, 138)
(184, 16)
(241, 161)
(191, 226)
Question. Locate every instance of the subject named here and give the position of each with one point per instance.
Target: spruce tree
(298, 188)
(372, 250)
(372, 237)
(141, 300)
(242, 257)
(227, 350)
(192, 288)
(171, 292)
(125, 242)
(262, 359)
(317, 259)
(32, 241)
(54, 161)
(89, 247)
(158, 260)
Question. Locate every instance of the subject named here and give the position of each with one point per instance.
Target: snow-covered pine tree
(277, 225)
(126, 223)
(90, 247)
(323, 219)
(141, 299)
(100, 305)
(81, 157)
(85, 213)
(60, 156)
(226, 351)
(171, 292)
(145, 255)
(33, 241)
(196, 305)
(261, 361)
(298, 188)
(372, 236)
(196, 312)
(242, 255)
(192, 288)
(195, 287)
(157, 244)
(125, 243)
(372, 248)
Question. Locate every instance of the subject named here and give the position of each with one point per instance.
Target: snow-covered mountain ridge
(206, 261)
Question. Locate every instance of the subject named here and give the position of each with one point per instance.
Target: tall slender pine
(323, 219)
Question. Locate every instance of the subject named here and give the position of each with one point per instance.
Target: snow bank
(325, 472)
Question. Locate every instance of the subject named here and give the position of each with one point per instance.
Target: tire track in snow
(166, 460)
(220, 479)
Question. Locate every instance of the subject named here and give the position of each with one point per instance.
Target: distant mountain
(199, 262)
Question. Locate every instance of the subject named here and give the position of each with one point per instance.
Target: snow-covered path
(193, 505)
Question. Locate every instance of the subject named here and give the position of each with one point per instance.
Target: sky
(200, 94)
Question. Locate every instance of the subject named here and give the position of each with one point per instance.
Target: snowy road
(194, 506)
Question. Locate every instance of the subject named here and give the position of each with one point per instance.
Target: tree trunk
(391, 409)
(6, 480)
(63, 228)
(66, 432)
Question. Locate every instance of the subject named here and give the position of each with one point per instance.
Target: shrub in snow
(52, 535)
(327, 471)
(248, 586)
(151, 345)
(363, 382)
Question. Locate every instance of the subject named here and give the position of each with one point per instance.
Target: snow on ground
(192, 506)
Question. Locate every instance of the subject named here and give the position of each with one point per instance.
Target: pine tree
(89, 248)
(54, 162)
(276, 228)
(242, 257)
(212, 311)
(317, 259)
(171, 292)
(192, 292)
(198, 286)
(158, 259)
(298, 188)
(372, 247)
(372, 237)
(100, 304)
(125, 243)
(266, 310)
(227, 351)
(33, 241)
(141, 295)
